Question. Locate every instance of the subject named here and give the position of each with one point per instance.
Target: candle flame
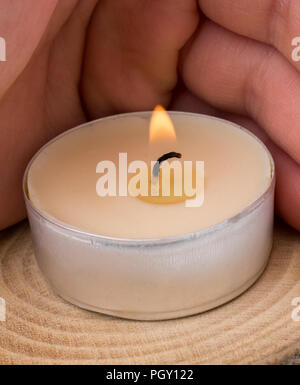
(161, 126)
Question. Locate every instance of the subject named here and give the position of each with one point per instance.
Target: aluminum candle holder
(155, 279)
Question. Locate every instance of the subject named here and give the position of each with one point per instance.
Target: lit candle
(137, 257)
(62, 178)
(162, 186)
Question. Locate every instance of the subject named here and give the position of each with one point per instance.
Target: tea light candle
(131, 258)
(62, 178)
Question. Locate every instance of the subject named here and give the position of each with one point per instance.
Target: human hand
(74, 60)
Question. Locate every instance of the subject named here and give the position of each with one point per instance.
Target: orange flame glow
(161, 127)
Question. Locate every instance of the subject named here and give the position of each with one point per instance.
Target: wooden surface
(41, 328)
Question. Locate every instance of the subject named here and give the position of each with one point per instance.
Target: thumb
(132, 53)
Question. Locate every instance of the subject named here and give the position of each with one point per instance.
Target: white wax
(62, 178)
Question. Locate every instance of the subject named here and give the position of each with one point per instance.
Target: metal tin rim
(150, 241)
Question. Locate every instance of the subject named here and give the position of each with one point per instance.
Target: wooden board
(41, 328)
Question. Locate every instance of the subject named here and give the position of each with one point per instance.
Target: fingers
(288, 187)
(22, 24)
(43, 99)
(287, 175)
(132, 53)
(287, 170)
(247, 77)
(276, 22)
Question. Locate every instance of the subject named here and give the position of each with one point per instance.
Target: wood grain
(40, 328)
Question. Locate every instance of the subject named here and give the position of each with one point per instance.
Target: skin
(74, 60)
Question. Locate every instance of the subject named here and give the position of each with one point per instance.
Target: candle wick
(163, 158)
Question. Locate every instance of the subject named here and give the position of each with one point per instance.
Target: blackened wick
(164, 157)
